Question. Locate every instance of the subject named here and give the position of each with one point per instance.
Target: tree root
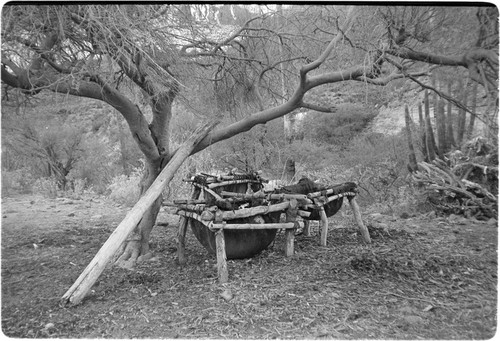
(132, 252)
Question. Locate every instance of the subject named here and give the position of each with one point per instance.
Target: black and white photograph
(249, 170)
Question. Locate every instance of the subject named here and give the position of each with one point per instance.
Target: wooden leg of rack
(324, 226)
(359, 221)
(289, 240)
(221, 256)
(307, 229)
(181, 240)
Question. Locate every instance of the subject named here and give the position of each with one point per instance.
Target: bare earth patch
(431, 278)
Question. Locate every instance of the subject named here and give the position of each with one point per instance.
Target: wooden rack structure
(233, 217)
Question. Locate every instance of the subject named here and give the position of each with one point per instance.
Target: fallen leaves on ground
(421, 277)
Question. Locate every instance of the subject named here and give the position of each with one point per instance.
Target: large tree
(218, 59)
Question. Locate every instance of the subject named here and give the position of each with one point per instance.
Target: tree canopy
(229, 56)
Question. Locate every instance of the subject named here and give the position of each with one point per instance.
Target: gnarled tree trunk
(137, 246)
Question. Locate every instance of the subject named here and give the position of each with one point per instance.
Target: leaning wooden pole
(89, 276)
(324, 226)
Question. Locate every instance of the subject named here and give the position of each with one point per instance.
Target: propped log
(89, 276)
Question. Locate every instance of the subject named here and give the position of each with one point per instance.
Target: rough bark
(137, 246)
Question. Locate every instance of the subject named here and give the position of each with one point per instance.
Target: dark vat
(239, 243)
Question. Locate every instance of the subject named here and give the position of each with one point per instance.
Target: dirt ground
(421, 278)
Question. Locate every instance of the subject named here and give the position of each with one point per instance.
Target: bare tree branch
(321, 59)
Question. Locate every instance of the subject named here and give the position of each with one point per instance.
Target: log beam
(287, 226)
(232, 182)
(263, 195)
(252, 211)
(307, 228)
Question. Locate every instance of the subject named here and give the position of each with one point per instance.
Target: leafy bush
(337, 128)
(98, 164)
(17, 181)
(47, 187)
(125, 189)
(377, 163)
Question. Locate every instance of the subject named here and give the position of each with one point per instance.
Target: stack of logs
(449, 193)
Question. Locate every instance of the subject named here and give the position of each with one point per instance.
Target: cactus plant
(430, 142)
(412, 166)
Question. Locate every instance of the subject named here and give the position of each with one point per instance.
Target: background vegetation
(58, 144)
(97, 155)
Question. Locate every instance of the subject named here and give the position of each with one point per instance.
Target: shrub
(47, 187)
(338, 128)
(125, 189)
(98, 165)
(17, 181)
(377, 163)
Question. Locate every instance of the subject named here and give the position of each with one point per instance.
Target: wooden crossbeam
(232, 182)
(249, 226)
